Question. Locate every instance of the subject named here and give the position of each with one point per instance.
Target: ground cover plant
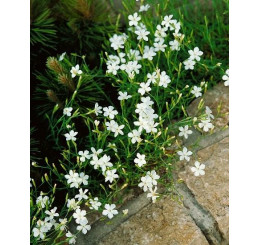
(157, 63)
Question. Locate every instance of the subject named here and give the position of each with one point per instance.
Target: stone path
(202, 218)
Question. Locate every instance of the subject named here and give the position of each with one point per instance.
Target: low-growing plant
(134, 141)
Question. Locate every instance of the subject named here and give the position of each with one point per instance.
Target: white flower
(51, 214)
(67, 111)
(164, 79)
(38, 232)
(184, 131)
(97, 109)
(144, 8)
(196, 91)
(152, 78)
(110, 210)
(42, 201)
(111, 175)
(79, 215)
(226, 78)
(123, 96)
(72, 238)
(154, 176)
(117, 41)
(105, 162)
(160, 33)
(76, 71)
(113, 68)
(153, 195)
(61, 57)
(206, 125)
(140, 160)
(125, 211)
(133, 19)
(71, 203)
(208, 112)
(174, 45)
(63, 223)
(148, 52)
(96, 162)
(189, 64)
(118, 129)
(146, 183)
(95, 152)
(195, 54)
(73, 179)
(71, 135)
(167, 21)
(82, 195)
(142, 34)
(110, 112)
(160, 46)
(134, 55)
(84, 154)
(184, 154)
(198, 169)
(83, 226)
(135, 135)
(111, 126)
(95, 204)
(144, 88)
(84, 178)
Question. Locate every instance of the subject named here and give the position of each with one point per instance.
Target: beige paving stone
(212, 190)
(163, 223)
(217, 96)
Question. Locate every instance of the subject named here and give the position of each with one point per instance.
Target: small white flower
(134, 19)
(113, 68)
(84, 154)
(160, 46)
(167, 21)
(63, 223)
(110, 210)
(75, 71)
(184, 131)
(198, 169)
(206, 125)
(135, 135)
(82, 195)
(152, 194)
(95, 152)
(144, 88)
(154, 176)
(146, 183)
(96, 122)
(79, 215)
(123, 96)
(174, 45)
(71, 135)
(105, 162)
(195, 54)
(152, 78)
(208, 112)
(61, 57)
(51, 214)
(148, 53)
(110, 112)
(72, 204)
(42, 201)
(118, 41)
(118, 129)
(125, 211)
(84, 178)
(144, 8)
(111, 126)
(140, 160)
(111, 175)
(72, 238)
(189, 64)
(226, 78)
(73, 179)
(83, 226)
(142, 34)
(196, 91)
(184, 154)
(95, 204)
(67, 111)
(97, 109)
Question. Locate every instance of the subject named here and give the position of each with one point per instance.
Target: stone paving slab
(212, 190)
(163, 223)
